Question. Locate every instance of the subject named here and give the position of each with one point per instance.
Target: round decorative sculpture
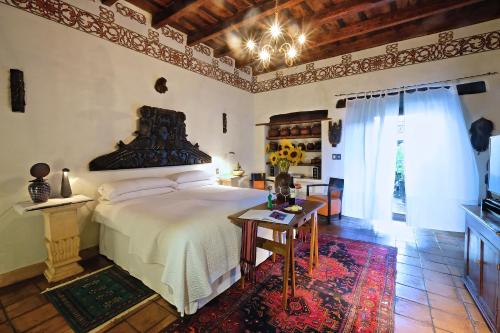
(39, 189)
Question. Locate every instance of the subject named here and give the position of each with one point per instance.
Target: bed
(180, 244)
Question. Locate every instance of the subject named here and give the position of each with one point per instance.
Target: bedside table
(62, 236)
(234, 181)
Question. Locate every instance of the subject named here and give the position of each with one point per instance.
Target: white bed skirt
(114, 245)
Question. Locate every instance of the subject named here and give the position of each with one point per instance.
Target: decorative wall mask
(161, 85)
(335, 132)
(17, 90)
(480, 132)
(224, 123)
(161, 140)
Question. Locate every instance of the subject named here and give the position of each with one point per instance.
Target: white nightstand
(62, 236)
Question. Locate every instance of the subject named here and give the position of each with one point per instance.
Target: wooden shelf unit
(302, 166)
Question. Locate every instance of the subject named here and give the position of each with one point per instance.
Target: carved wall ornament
(17, 100)
(480, 132)
(161, 140)
(335, 132)
(130, 13)
(106, 15)
(161, 85)
(172, 34)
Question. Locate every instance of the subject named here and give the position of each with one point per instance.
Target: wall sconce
(65, 186)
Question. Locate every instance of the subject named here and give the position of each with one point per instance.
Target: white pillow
(139, 194)
(190, 176)
(109, 191)
(198, 183)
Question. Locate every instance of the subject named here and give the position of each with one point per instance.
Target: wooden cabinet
(482, 263)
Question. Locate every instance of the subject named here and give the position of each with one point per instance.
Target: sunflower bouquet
(287, 154)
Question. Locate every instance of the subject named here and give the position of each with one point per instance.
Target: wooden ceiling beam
(175, 10)
(247, 16)
(431, 25)
(394, 19)
(108, 2)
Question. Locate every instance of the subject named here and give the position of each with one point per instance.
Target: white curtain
(370, 136)
(440, 168)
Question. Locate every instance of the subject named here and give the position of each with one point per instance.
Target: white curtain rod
(398, 89)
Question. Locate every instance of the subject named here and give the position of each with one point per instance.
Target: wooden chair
(335, 189)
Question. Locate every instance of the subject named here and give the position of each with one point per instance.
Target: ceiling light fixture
(276, 42)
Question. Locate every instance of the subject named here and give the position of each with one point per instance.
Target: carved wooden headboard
(161, 140)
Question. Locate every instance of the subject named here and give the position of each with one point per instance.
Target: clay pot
(305, 130)
(302, 146)
(285, 131)
(317, 145)
(316, 129)
(295, 131)
(274, 131)
(316, 160)
(310, 146)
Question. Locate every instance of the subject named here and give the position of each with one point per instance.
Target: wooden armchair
(333, 198)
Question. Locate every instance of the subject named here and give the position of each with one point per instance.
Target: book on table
(273, 216)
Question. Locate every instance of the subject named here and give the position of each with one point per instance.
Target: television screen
(494, 178)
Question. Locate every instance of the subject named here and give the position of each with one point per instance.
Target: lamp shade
(65, 185)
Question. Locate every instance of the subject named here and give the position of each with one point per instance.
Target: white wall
(82, 96)
(321, 95)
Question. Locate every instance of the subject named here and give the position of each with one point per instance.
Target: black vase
(39, 190)
(282, 187)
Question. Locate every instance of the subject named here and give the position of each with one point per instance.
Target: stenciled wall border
(445, 48)
(103, 26)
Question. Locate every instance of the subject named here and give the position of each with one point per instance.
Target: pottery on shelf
(305, 130)
(274, 131)
(316, 129)
(310, 146)
(38, 188)
(295, 131)
(285, 131)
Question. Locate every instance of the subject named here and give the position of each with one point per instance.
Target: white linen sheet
(187, 231)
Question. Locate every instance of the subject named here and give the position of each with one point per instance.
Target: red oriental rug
(352, 290)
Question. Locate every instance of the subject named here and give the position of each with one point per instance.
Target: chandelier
(276, 42)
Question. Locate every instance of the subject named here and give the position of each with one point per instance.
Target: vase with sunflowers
(287, 154)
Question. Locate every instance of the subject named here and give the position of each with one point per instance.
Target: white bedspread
(187, 231)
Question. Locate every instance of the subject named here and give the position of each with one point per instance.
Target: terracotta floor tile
(167, 306)
(477, 318)
(459, 282)
(409, 260)
(122, 327)
(465, 295)
(410, 280)
(413, 310)
(452, 323)
(455, 270)
(411, 294)
(18, 292)
(16, 309)
(434, 258)
(35, 317)
(162, 324)
(438, 277)
(447, 304)
(441, 289)
(149, 316)
(435, 266)
(406, 325)
(54, 325)
(6, 328)
(409, 269)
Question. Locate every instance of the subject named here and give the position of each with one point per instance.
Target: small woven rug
(90, 302)
(351, 290)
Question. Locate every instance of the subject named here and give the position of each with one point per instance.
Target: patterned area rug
(352, 290)
(91, 301)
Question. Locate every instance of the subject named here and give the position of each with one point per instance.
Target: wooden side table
(62, 236)
(309, 214)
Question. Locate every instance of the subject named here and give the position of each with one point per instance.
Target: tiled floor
(430, 296)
